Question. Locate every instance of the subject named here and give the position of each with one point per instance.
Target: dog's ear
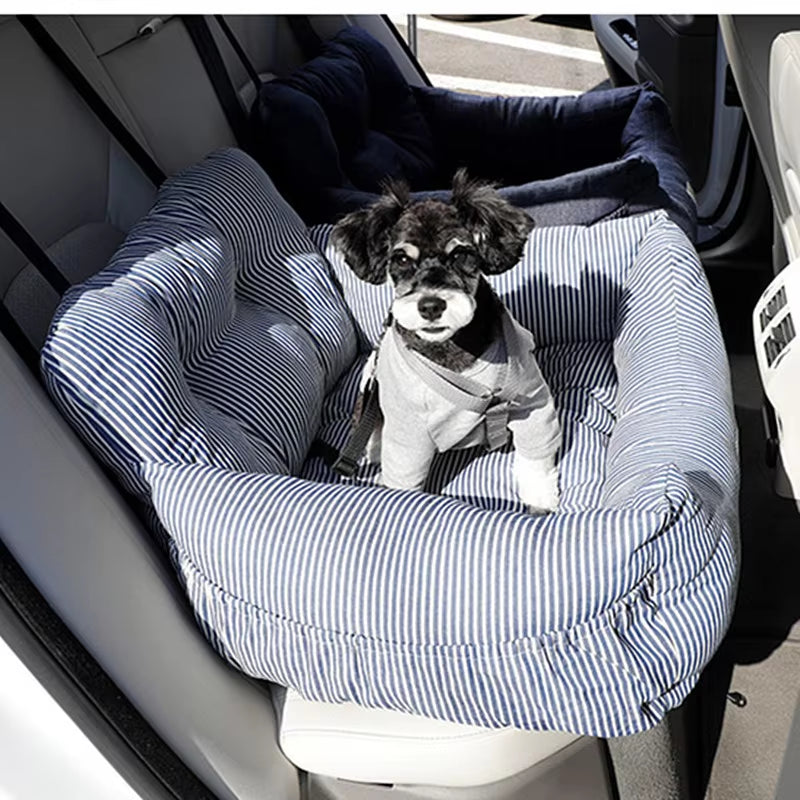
(363, 236)
(499, 229)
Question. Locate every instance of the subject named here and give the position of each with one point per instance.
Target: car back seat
(157, 85)
(149, 69)
(77, 192)
(152, 65)
(65, 178)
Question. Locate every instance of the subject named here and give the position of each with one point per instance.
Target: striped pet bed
(224, 337)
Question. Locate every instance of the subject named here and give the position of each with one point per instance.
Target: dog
(453, 368)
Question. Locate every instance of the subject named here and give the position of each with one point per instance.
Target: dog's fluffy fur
(435, 255)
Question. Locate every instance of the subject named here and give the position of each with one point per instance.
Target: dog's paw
(537, 483)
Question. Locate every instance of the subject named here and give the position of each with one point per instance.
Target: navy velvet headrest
(345, 118)
(335, 130)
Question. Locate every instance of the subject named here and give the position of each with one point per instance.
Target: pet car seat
(331, 132)
(224, 338)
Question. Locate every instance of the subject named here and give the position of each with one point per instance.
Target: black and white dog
(453, 368)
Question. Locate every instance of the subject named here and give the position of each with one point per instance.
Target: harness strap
(366, 418)
(496, 424)
(471, 395)
(467, 394)
(461, 390)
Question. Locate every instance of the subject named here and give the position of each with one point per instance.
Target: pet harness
(429, 408)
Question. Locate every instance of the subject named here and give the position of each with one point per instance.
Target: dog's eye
(461, 256)
(402, 259)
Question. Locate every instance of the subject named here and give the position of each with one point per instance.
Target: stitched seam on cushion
(428, 651)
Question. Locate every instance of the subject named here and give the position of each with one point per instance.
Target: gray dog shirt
(428, 408)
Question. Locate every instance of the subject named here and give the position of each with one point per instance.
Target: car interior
(98, 112)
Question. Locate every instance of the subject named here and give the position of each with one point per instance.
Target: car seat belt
(28, 246)
(91, 97)
(208, 51)
(306, 37)
(239, 50)
(32, 251)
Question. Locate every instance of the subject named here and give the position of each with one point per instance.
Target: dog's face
(434, 252)
(434, 267)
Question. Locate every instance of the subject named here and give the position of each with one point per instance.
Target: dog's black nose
(431, 307)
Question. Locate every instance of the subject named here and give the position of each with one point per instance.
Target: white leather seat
(379, 746)
(784, 101)
(747, 39)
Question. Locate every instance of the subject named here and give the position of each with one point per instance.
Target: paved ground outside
(520, 55)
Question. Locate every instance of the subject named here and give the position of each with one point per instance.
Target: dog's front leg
(536, 431)
(406, 456)
(537, 483)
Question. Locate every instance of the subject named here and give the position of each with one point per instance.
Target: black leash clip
(366, 414)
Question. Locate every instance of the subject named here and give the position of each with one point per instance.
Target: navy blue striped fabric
(204, 399)
(179, 350)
